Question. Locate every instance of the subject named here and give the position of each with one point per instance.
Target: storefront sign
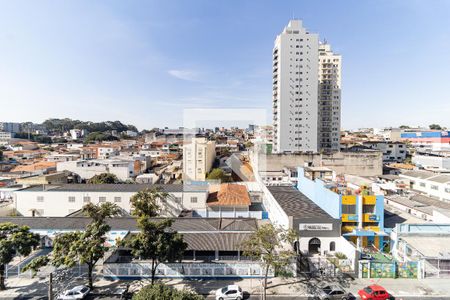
(315, 226)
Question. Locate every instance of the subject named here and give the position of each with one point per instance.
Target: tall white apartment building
(295, 88)
(329, 98)
(306, 92)
(198, 158)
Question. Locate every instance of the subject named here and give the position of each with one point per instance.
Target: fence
(374, 269)
(436, 268)
(190, 270)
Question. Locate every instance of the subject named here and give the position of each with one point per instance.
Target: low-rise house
(430, 183)
(52, 178)
(86, 169)
(392, 151)
(39, 167)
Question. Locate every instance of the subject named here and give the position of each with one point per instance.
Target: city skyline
(143, 64)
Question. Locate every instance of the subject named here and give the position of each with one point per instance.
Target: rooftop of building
(294, 203)
(228, 195)
(169, 188)
(436, 247)
(182, 225)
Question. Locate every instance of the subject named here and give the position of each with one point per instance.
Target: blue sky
(143, 62)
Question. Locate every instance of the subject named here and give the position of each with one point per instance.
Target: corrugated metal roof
(296, 204)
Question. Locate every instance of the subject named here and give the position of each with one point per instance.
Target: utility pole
(50, 287)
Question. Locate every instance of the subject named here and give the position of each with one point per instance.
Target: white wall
(57, 204)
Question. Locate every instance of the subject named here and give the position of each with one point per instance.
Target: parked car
(374, 292)
(229, 292)
(78, 292)
(331, 292)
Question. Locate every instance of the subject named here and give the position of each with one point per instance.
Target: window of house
(71, 199)
(194, 199)
(102, 199)
(177, 199)
(86, 199)
(434, 187)
(117, 199)
(332, 246)
(422, 184)
(40, 198)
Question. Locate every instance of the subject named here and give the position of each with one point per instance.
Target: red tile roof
(229, 195)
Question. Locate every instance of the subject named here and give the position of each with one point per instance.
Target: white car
(229, 292)
(78, 292)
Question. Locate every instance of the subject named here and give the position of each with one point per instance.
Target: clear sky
(143, 62)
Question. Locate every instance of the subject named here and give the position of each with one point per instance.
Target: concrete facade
(364, 163)
(198, 158)
(329, 99)
(295, 89)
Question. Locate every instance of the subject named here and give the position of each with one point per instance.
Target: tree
(156, 241)
(86, 247)
(163, 292)
(218, 174)
(404, 127)
(267, 244)
(435, 127)
(14, 239)
(103, 178)
(1, 155)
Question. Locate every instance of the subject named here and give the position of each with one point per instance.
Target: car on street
(229, 292)
(331, 292)
(374, 292)
(78, 292)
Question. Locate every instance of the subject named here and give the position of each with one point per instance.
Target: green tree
(435, 127)
(156, 241)
(14, 239)
(218, 174)
(163, 292)
(86, 247)
(1, 155)
(404, 127)
(268, 244)
(104, 178)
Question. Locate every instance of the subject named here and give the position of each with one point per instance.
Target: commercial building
(433, 140)
(329, 99)
(361, 214)
(430, 183)
(433, 160)
(295, 90)
(198, 158)
(214, 246)
(64, 199)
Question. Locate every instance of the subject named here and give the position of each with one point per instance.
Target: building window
(117, 199)
(72, 199)
(447, 190)
(332, 246)
(40, 198)
(422, 184)
(86, 199)
(434, 187)
(177, 199)
(102, 199)
(194, 199)
(348, 209)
